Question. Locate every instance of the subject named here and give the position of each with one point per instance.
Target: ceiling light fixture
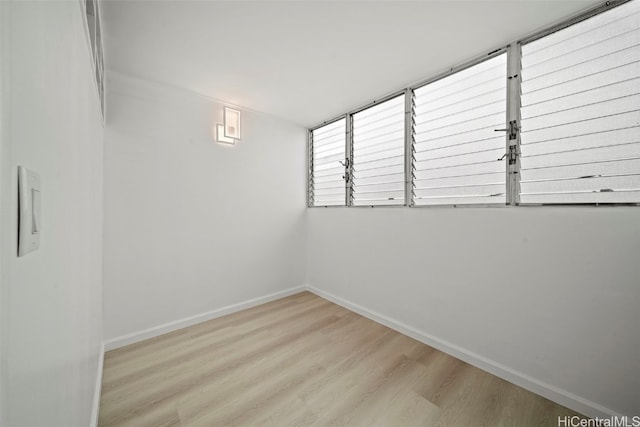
(231, 123)
(220, 136)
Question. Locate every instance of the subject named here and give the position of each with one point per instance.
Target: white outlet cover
(29, 221)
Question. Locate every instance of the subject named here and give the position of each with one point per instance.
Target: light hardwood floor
(299, 361)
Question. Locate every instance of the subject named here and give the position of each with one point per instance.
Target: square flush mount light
(231, 123)
(220, 135)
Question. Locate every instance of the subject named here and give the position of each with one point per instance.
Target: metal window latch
(346, 166)
(512, 155)
(512, 129)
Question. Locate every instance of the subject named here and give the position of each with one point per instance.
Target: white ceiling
(309, 61)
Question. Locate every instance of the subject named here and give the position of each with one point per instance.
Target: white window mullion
(310, 169)
(514, 75)
(348, 170)
(409, 121)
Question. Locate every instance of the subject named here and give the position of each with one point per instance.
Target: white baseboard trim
(95, 410)
(555, 394)
(134, 337)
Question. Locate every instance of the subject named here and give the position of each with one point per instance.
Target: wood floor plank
(192, 372)
(258, 318)
(200, 350)
(303, 361)
(257, 375)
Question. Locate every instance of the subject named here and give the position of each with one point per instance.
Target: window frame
(453, 70)
(572, 20)
(310, 162)
(513, 51)
(350, 148)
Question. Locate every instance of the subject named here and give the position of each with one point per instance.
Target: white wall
(550, 293)
(192, 225)
(51, 299)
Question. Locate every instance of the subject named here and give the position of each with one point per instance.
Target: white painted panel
(561, 314)
(51, 298)
(191, 225)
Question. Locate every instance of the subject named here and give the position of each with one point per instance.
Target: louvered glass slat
(588, 183)
(327, 149)
(613, 166)
(478, 199)
(332, 173)
(443, 162)
(470, 172)
(329, 157)
(559, 158)
(613, 137)
(580, 138)
(469, 147)
(327, 187)
(473, 80)
(459, 181)
(619, 196)
(457, 153)
(371, 156)
(378, 154)
(381, 179)
(383, 171)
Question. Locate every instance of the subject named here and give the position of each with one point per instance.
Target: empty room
(319, 213)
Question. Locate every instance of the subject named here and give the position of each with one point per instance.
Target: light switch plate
(29, 221)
